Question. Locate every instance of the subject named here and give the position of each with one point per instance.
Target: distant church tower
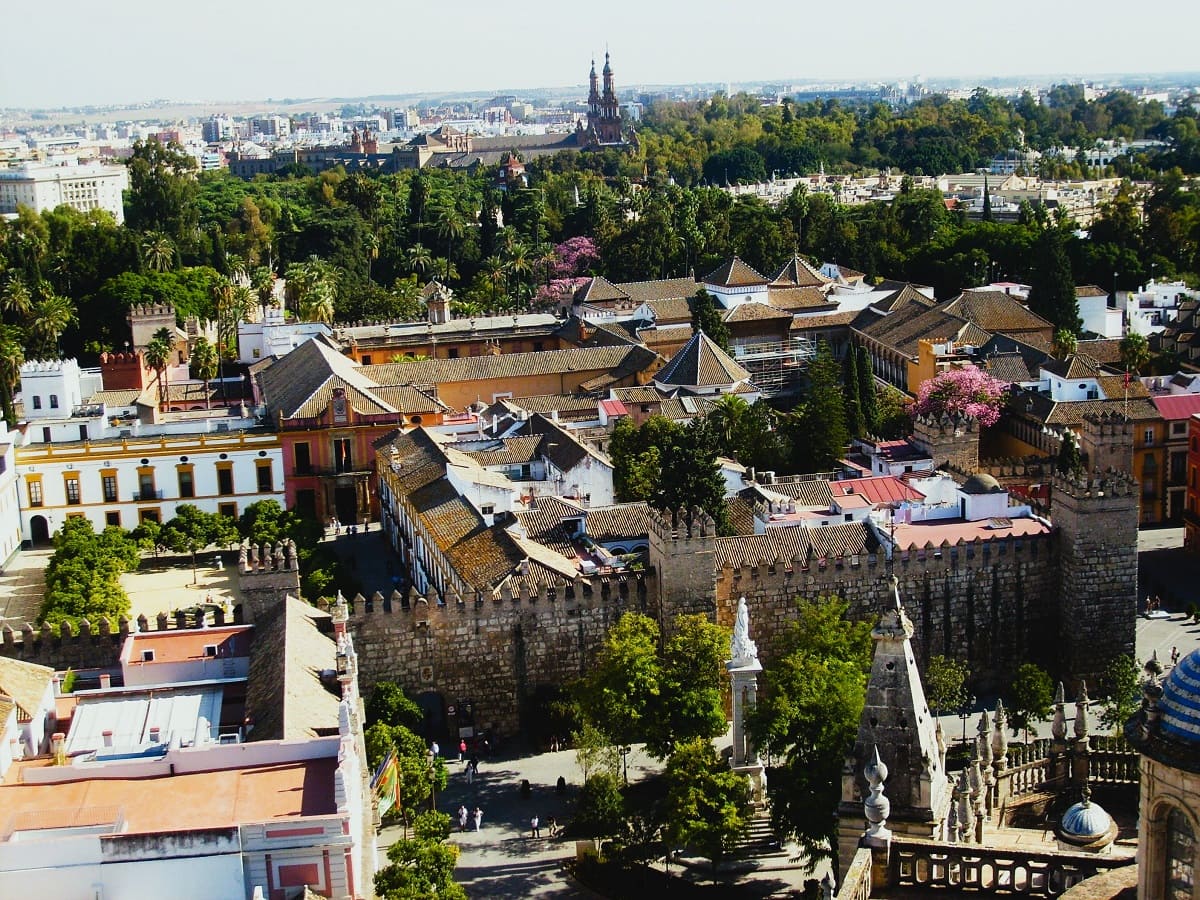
(604, 112)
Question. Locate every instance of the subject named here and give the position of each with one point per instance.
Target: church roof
(799, 272)
(1086, 820)
(701, 363)
(734, 273)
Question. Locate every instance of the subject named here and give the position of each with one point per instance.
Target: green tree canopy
(706, 317)
(1051, 284)
(1031, 696)
(192, 529)
(706, 801)
(946, 683)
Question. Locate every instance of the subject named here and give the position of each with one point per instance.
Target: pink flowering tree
(966, 391)
(575, 256)
(557, 293)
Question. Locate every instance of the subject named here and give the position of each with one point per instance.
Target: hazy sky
(73, 52)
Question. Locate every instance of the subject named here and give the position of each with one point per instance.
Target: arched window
(1181, 855)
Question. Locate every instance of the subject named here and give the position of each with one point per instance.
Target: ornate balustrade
(856, 885)
(991, 870)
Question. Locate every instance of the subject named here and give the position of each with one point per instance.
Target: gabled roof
(755, 312)
(300, 384)
(661, 289)
(701, 363)
(285, 696)
(1178, 406)
(1077, 365)
(901, 330)
(734, 273)
(1090, 290)
(798, 298)
(903, 297)
(799, 272)
(25, 683)
(599, 290)
(670, 311)
(995, 311)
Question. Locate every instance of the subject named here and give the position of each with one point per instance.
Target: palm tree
(15, 297)
(158, 253)
(371, 245)
(1064, 344)
(204, 364)
(450, 227)
(313, 286)
(726, 417)
(419, 259)
(494, 270)
(520, 267)
(157, 355)
(12, 356)
(49, 318)
(262, 282)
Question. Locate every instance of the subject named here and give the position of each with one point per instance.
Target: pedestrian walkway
(22, 587)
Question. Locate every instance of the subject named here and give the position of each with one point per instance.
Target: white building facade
(82, 187)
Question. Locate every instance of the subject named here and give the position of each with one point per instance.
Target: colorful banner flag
(386, 783)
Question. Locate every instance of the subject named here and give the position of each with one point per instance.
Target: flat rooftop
(212, 799)
(182, 645)
(917, 534)
(130, 716)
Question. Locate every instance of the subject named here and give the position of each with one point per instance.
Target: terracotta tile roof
(507, 451)
(903, 297)
(560, 403)
(1077, 365)
(1106, 352)
(599, 290)
(1009, 367)
(659, 337)
(415, 457)
(114, 399)
(1113, 386)
(799, 298)
(682, 408)
(300, 384)
(671, 311)
(25, 683)
(637, 395)
(660, 291)
(829, 320)
(799, 272)
(784, 544)
(701, 363)
(1090, 290)
(560, 446)
(901, 330)
(284, 693)
(755, 312)
(409, 400)
(995, 311)
(616, 361)
(734, 273)
(1141, 409)
(741, 515)
(814, 492)
(619, 522)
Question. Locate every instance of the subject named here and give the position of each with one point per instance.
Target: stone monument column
(743, 668)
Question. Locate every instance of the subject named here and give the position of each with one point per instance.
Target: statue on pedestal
(741, 648)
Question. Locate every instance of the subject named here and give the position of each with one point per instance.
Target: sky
(71, 52)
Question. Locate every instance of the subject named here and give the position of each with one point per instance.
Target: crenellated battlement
(681, 524)
(1109, 424)
(946, 424)
(151, 311)
(1111, 483)
(279, 557)
(266, 575)
(38, 366)
(948, 439)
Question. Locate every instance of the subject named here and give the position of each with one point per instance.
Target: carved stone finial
(1081, 707)
(876, 807)
(1058, 725)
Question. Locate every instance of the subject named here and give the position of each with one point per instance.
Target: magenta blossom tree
(575, 256)
(966, 391)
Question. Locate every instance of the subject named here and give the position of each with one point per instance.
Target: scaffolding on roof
(776, 367)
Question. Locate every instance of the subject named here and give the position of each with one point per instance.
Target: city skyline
(243, 53)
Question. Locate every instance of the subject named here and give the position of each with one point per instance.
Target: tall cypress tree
(854, 414)
(866, 390)
(1051, 284)
(818, 426)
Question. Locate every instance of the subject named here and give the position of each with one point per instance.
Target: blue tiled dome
(1180, 703)
(1086, 820)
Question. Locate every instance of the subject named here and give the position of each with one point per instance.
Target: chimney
(105, 681)
(58, 746)
(108, 738)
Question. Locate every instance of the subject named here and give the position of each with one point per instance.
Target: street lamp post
(966, 714)
(625, 751)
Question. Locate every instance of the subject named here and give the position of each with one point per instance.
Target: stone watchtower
(1106, 442)
(265, 577)
(896, 724)
(683, 552)
(949, 440)
(1097, 521)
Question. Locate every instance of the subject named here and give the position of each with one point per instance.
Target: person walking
(435, 749)
(535, 827)
(552, 824)
(462, 749)
(478, 817)
(462, 817)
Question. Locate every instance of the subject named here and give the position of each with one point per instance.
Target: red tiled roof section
(211, 799)
(1178, 406)
(734, 273)
(918, 534)
(799, 272)
(177, 646)
(995, 311)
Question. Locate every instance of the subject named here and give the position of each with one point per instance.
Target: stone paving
(22, 587)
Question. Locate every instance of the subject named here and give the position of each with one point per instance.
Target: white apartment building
(83, 187)
(10, 498)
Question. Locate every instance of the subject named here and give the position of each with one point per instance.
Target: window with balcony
(343, 455)
(146, 489)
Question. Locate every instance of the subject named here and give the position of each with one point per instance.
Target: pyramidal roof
(896, 719)
(799, 272)
(701, 363)
(734, 273)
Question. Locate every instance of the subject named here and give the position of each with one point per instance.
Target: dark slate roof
(1077, 365)
(616, 360)
(701, 363)
(734, 273)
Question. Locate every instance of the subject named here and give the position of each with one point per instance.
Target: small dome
(982, 484)
(1086, 820)
(1180, 702)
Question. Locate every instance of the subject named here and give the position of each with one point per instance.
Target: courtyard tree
(808, 716)
(620, 692)
(692, 673)
(706, 317)
(1121, 692)
(817, 426)
(1051, 284)
(967, 391)
(82, 578)
(1031, 696)
(946, 683)
(1135, 352)
(421, 866)
(706, 801)
(193, 529)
